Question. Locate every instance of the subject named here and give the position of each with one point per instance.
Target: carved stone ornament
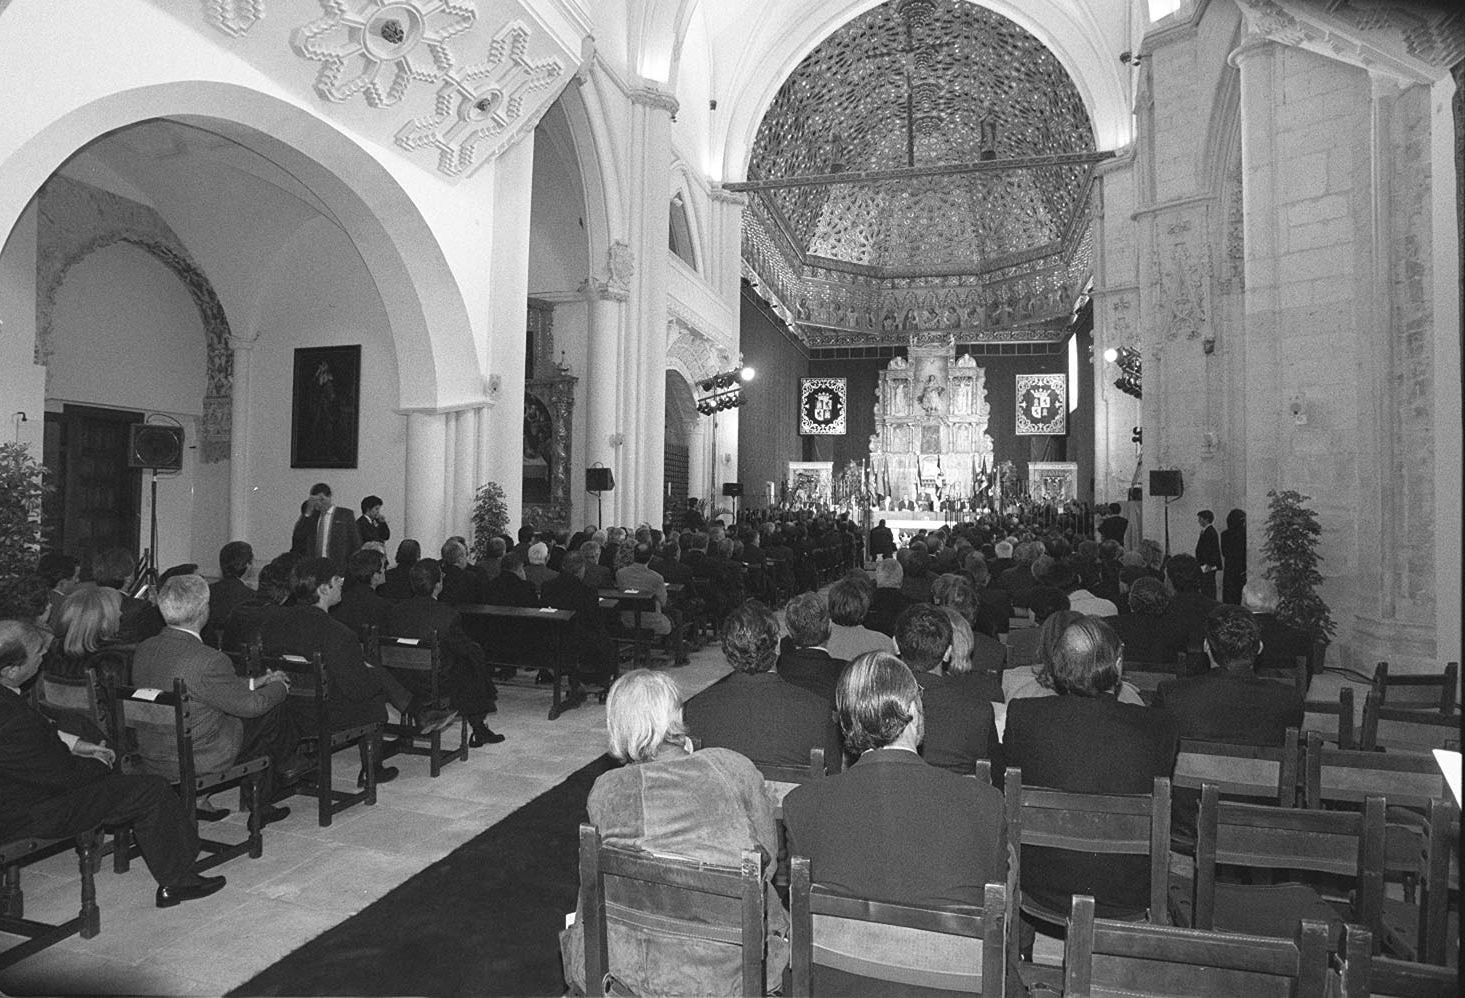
(378, 47)
(620, 263)
(480, 109)
(233, 17)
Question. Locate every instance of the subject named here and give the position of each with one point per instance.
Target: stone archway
(76, 220)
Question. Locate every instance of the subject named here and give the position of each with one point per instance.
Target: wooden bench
(557, 623)
(39, 935)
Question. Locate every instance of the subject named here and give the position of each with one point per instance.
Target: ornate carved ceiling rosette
(401, 40)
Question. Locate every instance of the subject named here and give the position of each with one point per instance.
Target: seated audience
(639, 575)
(1084, 740)
(892, 827)
(849, 638)
(918, 578)
(889, 600)
(137, 618)
(360, 607)
(234, 720)
(397, 585)
(85, 630)
(54, 785)
(597, 576)
(235, 560)
(1142, 629)
(1182, 628)
(804, 660)
(595, 658)
(537, 571)
(756, 712)
(273, 591)
(1037, 680)
(509, 587)
(60, 574)
(488, 566)
(708, 805)
(1282, 644)
(467, 683)
(994, 606)
(1023, 643)
(959, 727)
(460, 582)
(966, 665)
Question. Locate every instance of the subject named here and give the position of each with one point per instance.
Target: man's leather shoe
(384, 774)
(271, 813)
(432, 719)
(192, 889)
(485, 736)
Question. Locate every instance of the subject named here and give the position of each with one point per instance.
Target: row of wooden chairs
(1100, 957)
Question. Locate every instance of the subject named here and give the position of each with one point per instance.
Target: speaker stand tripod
(147, 571)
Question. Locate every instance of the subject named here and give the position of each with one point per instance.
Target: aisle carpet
(484, 920)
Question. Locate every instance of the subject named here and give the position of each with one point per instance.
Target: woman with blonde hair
(668, 799)
(85, 621)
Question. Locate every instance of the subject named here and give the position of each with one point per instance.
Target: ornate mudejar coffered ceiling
(927, 166)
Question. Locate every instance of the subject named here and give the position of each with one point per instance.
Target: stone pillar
(643, 396)
(426, 479)
(725, 267)
(240, 436)
(607, 306)
(466, 434)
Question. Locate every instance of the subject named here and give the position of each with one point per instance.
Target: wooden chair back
(1105, 957)
(815, 770)
(422, 658)
(309, 680)
(682, 886)
(1112, 824)
(1333, 776)
(1389, 978)
(169, 715)
(1258, 836)
(1401, 729)
(1265, 771)
(79, 696)
(976, 967)
(1333, 720)
(1437, 691)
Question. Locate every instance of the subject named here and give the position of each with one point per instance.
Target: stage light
(1111, 355)
(747, 374)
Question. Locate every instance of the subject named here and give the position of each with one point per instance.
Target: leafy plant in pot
(1291, 552)
(22, 488)
(490, 517)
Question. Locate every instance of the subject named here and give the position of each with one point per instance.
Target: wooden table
(637, 601)
(557, 620)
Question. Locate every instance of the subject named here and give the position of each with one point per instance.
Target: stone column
(725, 267)
(240, 436)
(467, 423)
(643, 398)
(426, 479)
(607, 306)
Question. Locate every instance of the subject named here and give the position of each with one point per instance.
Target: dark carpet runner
(484, 920)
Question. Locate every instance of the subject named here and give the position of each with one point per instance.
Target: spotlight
(747, 374)
(1111, 355)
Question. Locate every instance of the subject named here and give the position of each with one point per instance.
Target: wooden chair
(1351, 962)
(931, 937)
(308, 679)
(1111, 824)
(81, 697)
(1255, 771)
(1261, 837)
(1401, 729)
(40, 935)
(1438, 692)
(1337, 776)
(780, 780)
(1105, 957)
(684, 890)
(1338, 718)
(169, 715)
(1389, 978)
(422, 657)
(815, 770)
(1416, 926)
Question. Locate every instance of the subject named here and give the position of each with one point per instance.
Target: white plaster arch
(1086, 49)
(657, 30)
(428, 317)
(684, 182)
(598, 179)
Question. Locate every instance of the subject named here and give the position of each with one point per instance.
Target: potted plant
(1291, 552)
(490, 517)
(22, 488)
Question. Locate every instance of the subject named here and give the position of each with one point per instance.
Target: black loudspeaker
(1166, 483)
(151, 445)
(1136, 494)
(732, 489)
(599, 480)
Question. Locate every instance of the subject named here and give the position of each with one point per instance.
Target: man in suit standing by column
(1208, 552)
(325, 530)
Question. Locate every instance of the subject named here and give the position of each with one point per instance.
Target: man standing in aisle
(1208, 552)
(325, 530)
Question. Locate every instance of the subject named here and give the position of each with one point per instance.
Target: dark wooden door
(98, 497)
(674, 467)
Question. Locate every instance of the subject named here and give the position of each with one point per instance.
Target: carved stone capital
(721, 195)
(597, 290)
(658, 100)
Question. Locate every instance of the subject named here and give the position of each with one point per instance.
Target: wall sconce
(1208, 345)
(1298, 408)
(616, 439)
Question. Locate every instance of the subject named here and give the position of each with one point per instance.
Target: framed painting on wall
(326, 407)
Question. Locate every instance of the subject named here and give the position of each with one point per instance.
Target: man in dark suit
(888, 602)
(113, 569)
(1184, 623)
(804, 660)
(466, 676)
(755, 711)
(325, 530)
(56, 786)
(1208, 552)
(892, 827)
(234, 719)
(461, 584)
(360, 606)
(396, 584)
(595, 660)
(1114, 526)
(882, 541)
(509, 587)
(1143, 629)
(994, 606)
(959, 722)
(235, 560)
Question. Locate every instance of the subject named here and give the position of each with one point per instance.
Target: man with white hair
(889, 600)
(233, 718)
(538, 571)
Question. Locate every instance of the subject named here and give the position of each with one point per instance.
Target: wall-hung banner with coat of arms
(1042, 405)
(822, 405)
